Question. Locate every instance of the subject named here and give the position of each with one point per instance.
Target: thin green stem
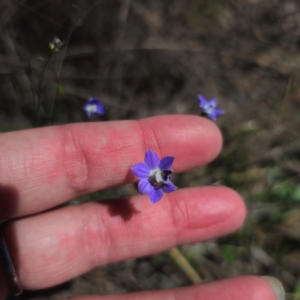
(184, 265)
(40, 86)
(57, 83)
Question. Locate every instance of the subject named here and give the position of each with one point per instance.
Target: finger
(53, 247)
(237, 288)
(4, 288)
(44, 167)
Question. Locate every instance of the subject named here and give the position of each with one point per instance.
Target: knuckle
(75, 162)
(97, 239)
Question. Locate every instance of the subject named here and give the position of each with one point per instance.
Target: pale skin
(41, 168)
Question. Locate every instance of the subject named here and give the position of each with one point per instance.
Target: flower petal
(155, 195)
(202, 101)
(213, 116)
(166, 162)
(219, 111)
(169, 187)
(93, 100)
(145, 187)
(151, 159)
(101, 109)
(141, 171)
(215, 113)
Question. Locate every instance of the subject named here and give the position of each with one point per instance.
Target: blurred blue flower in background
(155, 176)
(209, 107)
(94, 107)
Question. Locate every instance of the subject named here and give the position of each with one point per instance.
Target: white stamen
(157, 175)
(91, 108)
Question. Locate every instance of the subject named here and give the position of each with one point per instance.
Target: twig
(184, 265)
(285, 100)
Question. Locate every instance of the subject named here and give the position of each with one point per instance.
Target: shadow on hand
(122, 208)
(9, 198)
(9, 201)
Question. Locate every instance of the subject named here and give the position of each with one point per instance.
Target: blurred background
(145, 58)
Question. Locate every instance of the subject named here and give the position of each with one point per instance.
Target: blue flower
(209, 107)
(155, 176)
(94, 107)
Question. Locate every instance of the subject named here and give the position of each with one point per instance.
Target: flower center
(92, 108)
(158, 178)
(210, 108)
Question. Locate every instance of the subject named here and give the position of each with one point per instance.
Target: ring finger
(53, 247)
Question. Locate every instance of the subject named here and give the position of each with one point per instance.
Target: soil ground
(145, 58)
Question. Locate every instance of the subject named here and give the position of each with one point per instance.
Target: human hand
(42, 168)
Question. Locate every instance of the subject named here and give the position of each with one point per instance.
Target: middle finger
(41, 168)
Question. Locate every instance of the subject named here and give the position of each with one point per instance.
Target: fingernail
(276, 285)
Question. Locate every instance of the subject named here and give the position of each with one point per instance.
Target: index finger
(41, 168)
